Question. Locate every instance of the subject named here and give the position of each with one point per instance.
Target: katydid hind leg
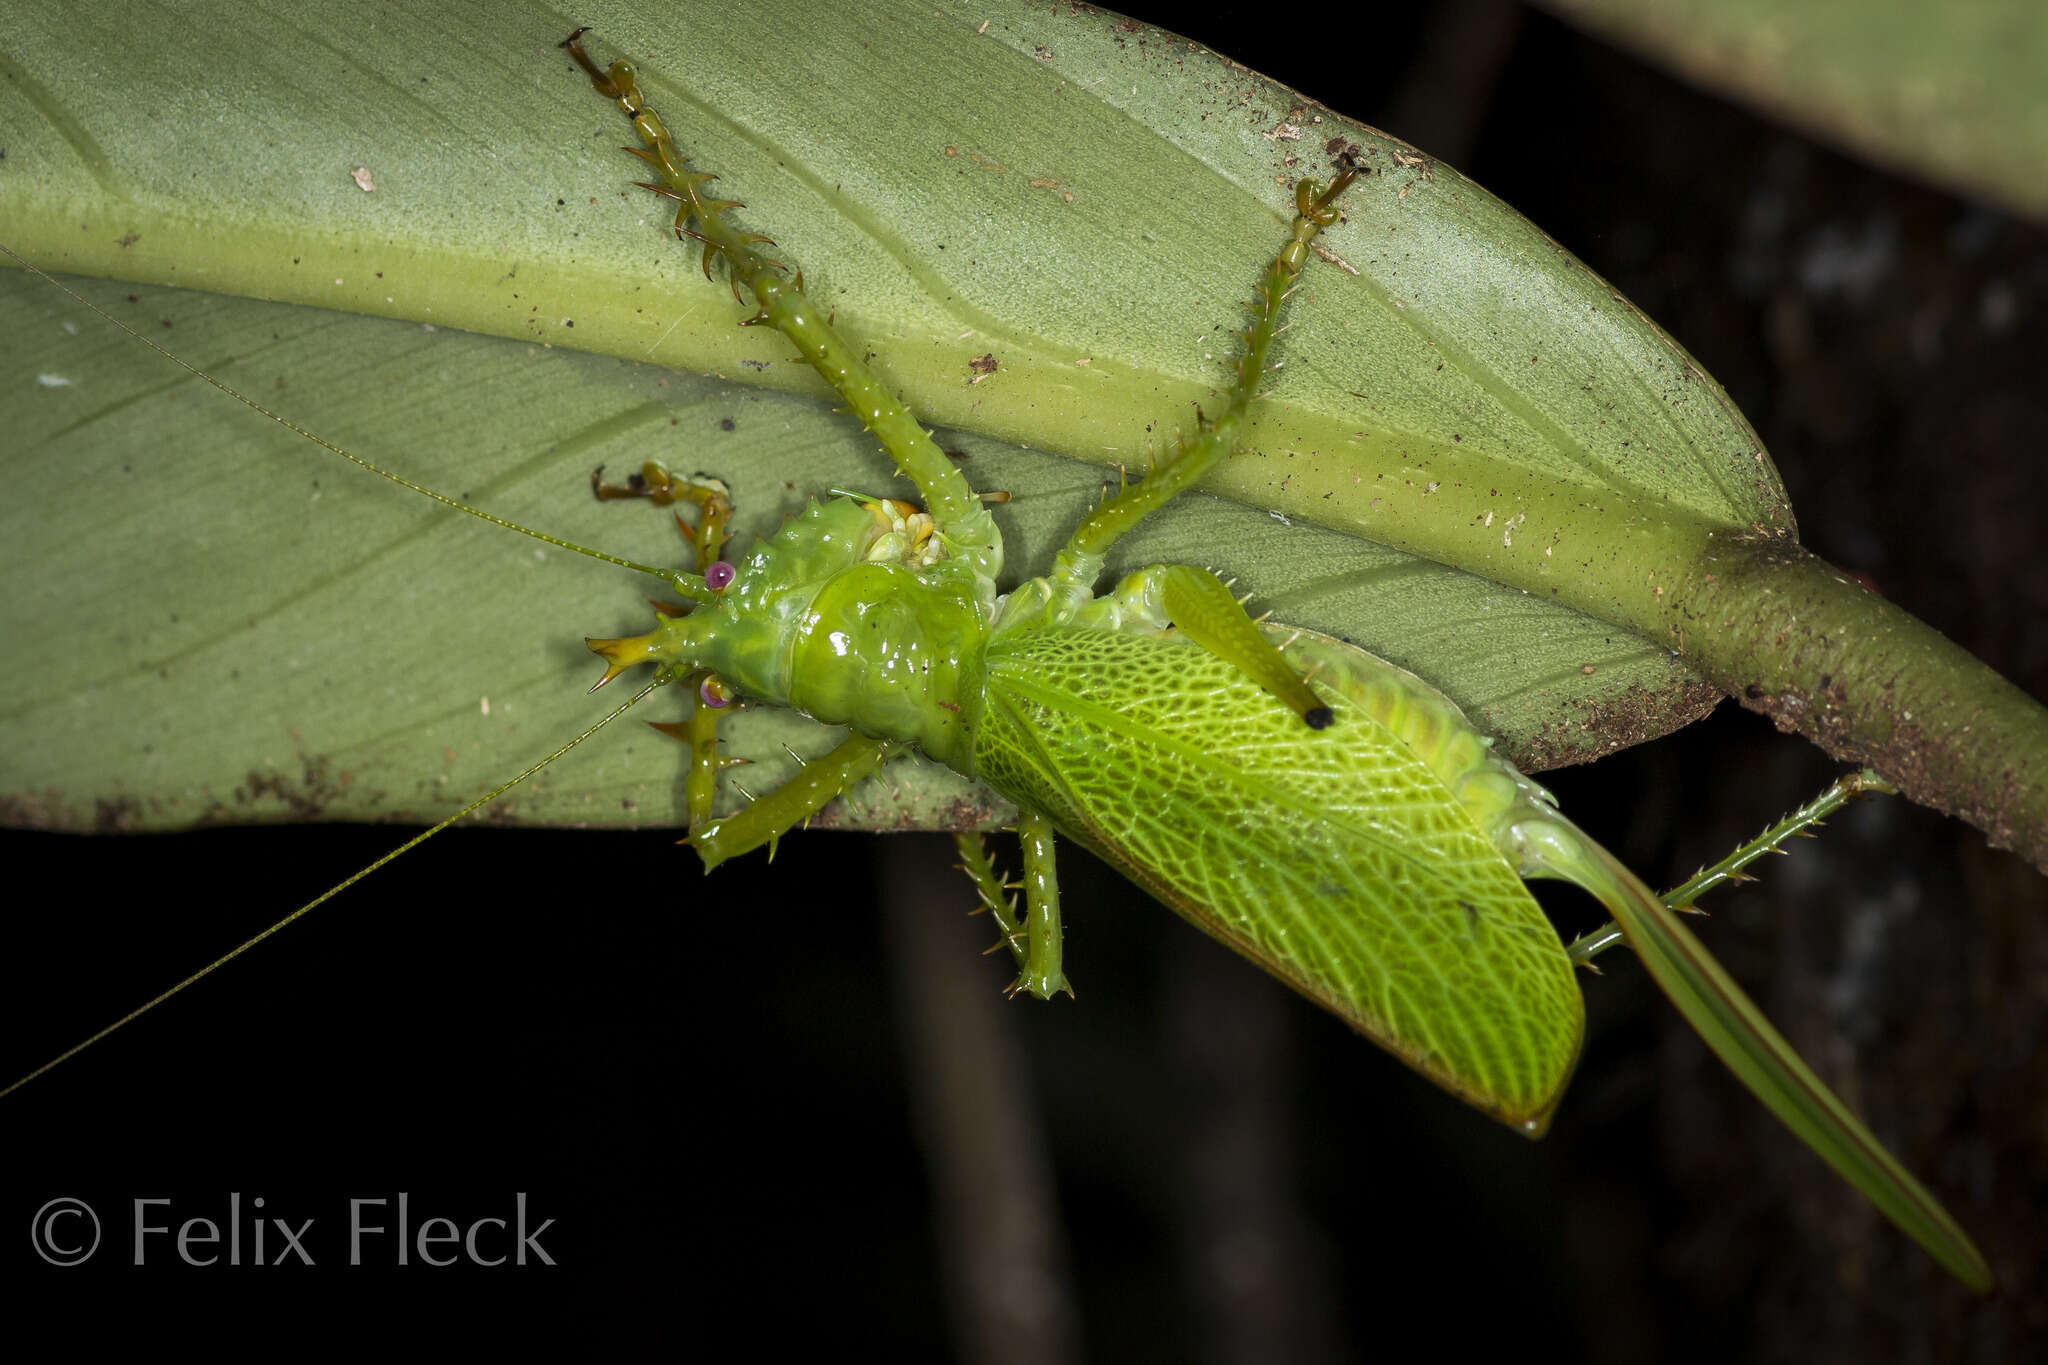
(1801, 822)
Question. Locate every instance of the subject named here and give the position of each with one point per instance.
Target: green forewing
(1334, 858)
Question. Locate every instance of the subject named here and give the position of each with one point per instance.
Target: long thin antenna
(680, 582)
(331, 892)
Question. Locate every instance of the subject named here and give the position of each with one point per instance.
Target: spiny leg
(654, 483)
(1195, 601)
(962, 519)
(1800, 823)
(708, 696)
(993, 893)
(1043, 975)
(768, 817)
(1081, 561)
(1036, 942)
(700, 785)
(765, 819)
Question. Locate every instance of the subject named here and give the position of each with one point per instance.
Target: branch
(1792, 637)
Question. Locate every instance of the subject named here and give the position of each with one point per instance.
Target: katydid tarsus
(1524, 1112)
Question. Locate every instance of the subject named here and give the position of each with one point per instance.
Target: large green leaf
(222, 623)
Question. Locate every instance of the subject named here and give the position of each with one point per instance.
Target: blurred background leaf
(1951, 93)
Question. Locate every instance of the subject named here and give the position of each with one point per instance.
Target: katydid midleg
(1524, 1110)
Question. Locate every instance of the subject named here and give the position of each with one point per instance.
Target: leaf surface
(226, 624)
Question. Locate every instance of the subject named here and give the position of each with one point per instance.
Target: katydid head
(852, 612)
(749, 611)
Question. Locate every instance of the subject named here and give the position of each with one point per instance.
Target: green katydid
(1406, 916)
(1518, 1112)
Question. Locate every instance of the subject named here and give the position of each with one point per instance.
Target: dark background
(789, 1103)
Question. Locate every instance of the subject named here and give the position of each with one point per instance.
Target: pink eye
(713, 690)
(719, 576)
